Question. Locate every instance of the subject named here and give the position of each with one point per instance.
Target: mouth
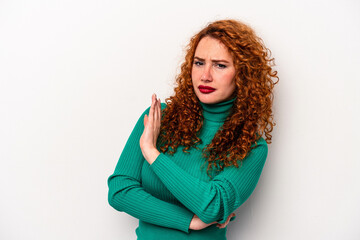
(206, 89)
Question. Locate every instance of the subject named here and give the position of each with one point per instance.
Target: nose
(206, 74)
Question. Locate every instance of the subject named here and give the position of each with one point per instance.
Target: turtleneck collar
(217, 112)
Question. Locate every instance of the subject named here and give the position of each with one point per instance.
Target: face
(213, 72)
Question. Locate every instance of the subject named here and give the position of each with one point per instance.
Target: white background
(76, 75)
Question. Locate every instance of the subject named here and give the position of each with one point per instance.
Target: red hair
(251, 115)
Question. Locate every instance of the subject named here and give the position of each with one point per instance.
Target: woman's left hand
(223, 225)
(151, 131)
(197, 224)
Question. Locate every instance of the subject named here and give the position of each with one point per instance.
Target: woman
(190, 163)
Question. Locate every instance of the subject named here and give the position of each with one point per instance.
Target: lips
(206, 89)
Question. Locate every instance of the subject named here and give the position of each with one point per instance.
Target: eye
(219, 65)
(198, 63)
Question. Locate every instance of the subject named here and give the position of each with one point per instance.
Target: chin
(209, 100)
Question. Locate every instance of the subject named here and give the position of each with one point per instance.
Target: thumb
(145, 120)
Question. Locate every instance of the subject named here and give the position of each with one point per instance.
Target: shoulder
(260, 142)
(259, 148)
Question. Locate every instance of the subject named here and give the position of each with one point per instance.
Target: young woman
(190, 163)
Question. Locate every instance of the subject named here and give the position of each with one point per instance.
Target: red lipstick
(206, 89)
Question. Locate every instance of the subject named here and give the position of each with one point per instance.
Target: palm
(151, 127)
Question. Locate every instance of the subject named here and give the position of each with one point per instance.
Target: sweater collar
(217, 112)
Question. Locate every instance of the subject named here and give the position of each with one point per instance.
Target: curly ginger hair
(251, 115)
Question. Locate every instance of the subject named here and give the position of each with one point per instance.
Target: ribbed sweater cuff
(184, 221)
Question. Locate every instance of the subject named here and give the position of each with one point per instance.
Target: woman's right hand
(197, 224)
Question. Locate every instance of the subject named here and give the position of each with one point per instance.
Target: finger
(145, 120)
(222, 225)
(151, 112)
(159, 112)
(156, 114)
(228, 219)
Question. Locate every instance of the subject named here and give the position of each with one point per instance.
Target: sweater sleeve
(126, 193)
(216, 199)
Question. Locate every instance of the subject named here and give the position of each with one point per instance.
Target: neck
(217, 112)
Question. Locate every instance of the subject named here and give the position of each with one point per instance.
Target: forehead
(209, 47)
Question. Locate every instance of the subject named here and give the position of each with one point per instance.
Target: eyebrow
(213, 60)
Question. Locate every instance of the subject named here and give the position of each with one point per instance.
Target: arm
(211, 201)
(126, 193)
(217, 199)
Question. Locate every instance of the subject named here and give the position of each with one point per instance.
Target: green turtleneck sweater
(165, 195)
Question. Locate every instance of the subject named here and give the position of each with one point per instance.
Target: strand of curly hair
(251, 116)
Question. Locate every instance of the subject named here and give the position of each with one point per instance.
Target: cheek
(194, 74)
(230, 84)
(195, 78)
(230, 89)
(229, 79)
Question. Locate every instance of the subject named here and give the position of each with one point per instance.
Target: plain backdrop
(76, 75)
